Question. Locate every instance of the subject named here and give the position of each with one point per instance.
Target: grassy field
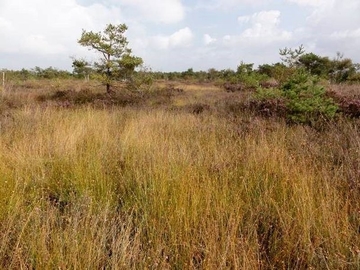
(166, 186)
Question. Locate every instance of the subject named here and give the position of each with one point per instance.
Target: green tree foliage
(291, 56)
(279, 71)
(81, 68)
(116, 61)
(244, 68)
(227, 74)
(338, 70)
(315, 64)
(303, 98)
(355, 77)
(246, 75)
(36, 73)
(306, 99)
(342, 69)
(188, 74)
(142, 80)
(212, 74)
(50, 73)
(24, 74)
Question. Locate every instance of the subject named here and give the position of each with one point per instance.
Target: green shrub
(268, 93)
(306, 100)
(251, 81)
(141, 81)
(301, 99)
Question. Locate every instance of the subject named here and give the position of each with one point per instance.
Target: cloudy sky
(174, 35)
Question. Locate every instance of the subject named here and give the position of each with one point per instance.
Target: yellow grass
(152, 189)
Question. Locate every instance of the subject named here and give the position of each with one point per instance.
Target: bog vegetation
(246, 169)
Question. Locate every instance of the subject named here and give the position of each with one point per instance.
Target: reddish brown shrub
(348, 105)
(269, 107)
(234, 87)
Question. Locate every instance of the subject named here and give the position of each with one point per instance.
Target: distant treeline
(336, 70)
(38, 73)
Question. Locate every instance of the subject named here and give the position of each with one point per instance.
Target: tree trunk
(108, 74)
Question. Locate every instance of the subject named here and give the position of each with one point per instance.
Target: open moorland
(184, 175)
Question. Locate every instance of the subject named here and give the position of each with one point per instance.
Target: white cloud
(180, 39)
(169, 11)
(244, 19)
(160, 42)
(265, 18)
(48, 27)
(45, 32)
(39, 43)
(228, 4)
(336, 14)
(332, 26)
(313, 3)
(5, 23)
(259, 38)
(209, 40)
(346, 34)
(264, 25)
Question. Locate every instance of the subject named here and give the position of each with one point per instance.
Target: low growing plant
(269, 102)
(301, 98)
(306, 99)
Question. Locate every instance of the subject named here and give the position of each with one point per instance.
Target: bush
(306, 100)
(301, 99)
(269, 102)
(70, 98)
(141, 81)
(233, 87)
(270, 93)
(348, 105)
(81, 97)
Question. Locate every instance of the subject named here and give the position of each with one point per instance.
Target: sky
(175, 35)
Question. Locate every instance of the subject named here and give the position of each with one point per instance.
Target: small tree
(116, 61)
(82, 68)
(341, 68)
(315, 64)
(291, 57)
(244, 68)
(306, 99)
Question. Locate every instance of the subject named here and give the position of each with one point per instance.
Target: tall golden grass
(131, 188)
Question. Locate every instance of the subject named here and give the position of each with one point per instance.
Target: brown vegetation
(348, 98)
(172, 179)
